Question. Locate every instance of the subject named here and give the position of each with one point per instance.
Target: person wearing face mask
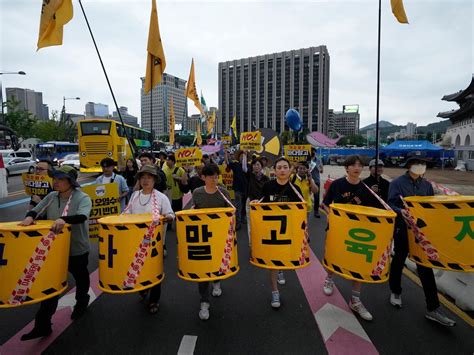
(412, 183)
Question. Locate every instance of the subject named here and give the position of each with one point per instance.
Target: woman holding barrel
(66, 204)
(149, 200)
(280, 190)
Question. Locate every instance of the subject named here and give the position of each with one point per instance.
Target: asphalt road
(242, 320)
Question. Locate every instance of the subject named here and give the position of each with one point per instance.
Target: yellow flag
(54, 15)
(198, 134)
(399, 11)
(211, 121)
(171, 122)
(155, 62)
(191, 91)
(233, 127)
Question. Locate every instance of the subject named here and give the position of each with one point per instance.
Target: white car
(72, 160)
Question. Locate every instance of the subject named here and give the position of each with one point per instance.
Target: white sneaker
(204, 311)
(281, 278)
(437, 316)
(328, 287)
(396, 300)
(275, 299)
(359, 308)
(216, 289)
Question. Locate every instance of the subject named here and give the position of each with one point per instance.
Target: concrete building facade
(345, 122)
(29, 100)
(94, 109)
(170, 87)
(259, 90)
(126, 117)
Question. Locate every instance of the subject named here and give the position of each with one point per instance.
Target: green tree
(21, 121)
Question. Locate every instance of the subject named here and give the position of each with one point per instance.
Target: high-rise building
(126, 117)
(96, 110)
(345, 122)
(170, 87)
(259, 90)
(29, 100)
(411, 129)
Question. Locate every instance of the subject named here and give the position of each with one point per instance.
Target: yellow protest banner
(226, 141)
(188, 156)
(39, 185)
(297, 152)
(105, 202)
(227, 178)
(251, 140)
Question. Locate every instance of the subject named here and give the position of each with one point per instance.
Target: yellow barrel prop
(202, 240)
(448, 224)
(356, 240)
(17, 246)
(119, 240)
(277, 235)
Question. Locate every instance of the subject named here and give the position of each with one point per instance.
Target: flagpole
(378, 94)
(130, 142)
(151, 117)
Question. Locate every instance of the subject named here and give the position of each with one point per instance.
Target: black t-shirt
(382, 186)
(274, 192)
(342, 191)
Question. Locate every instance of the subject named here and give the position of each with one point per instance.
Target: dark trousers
(177, 205)
(316, 201)
(204, 290)
(425, 274)
(155, 294)
(78, 268)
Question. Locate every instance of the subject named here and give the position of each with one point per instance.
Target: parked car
(72, 160)
(9, 154)
(20, 165)
(68, 157)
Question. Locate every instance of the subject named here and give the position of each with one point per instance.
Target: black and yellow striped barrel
(202, 241)
(277, 235)
(119, 240)
(17, 246)
(356, 240)
(448, 224)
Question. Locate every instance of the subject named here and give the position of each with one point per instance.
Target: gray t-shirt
(202, 199)
(80, 204)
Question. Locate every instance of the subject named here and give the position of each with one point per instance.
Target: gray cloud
(421, 62)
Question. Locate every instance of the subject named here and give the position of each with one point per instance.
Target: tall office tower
(96, 110)
(259, 90)
(29, 100)
(170, 86)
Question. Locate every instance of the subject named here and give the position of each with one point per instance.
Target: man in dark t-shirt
(377, 183)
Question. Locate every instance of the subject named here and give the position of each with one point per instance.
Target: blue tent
(409, 146)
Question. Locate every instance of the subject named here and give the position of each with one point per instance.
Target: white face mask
(418, 169)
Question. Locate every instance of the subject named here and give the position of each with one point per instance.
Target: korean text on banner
(251, 140)
(39, 185)
(297, 152)
(226, 141)
(105, 202)
(227, 179)
(188, 156)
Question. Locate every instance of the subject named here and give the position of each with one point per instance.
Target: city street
(242, 320)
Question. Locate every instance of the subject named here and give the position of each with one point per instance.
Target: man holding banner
(108, 176)
(66, 204)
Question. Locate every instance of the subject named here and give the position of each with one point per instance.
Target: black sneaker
(80, 308)
(37, 332)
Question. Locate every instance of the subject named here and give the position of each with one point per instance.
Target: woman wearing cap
(66, 204)
(142, 201)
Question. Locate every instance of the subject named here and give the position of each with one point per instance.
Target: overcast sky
(421, 62)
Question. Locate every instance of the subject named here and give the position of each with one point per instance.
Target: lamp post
(1, 88)
(64, 106)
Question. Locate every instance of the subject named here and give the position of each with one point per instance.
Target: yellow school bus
(102, 138)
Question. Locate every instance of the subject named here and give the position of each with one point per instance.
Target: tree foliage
(21, 121)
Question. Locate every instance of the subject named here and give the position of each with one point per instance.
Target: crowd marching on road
(147, 186)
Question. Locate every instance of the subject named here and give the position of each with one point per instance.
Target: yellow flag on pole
(233, 127)
(399, 11)
(198, 133)
(156, 62)
(211, 121)
(54, 15)
(191, 91)
(171, 122)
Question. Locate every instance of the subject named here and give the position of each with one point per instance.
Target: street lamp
(1, 87)
(64, 105)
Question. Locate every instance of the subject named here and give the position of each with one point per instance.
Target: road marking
(447, 303)
(188, 343)
(341, 330)
(61, 320)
